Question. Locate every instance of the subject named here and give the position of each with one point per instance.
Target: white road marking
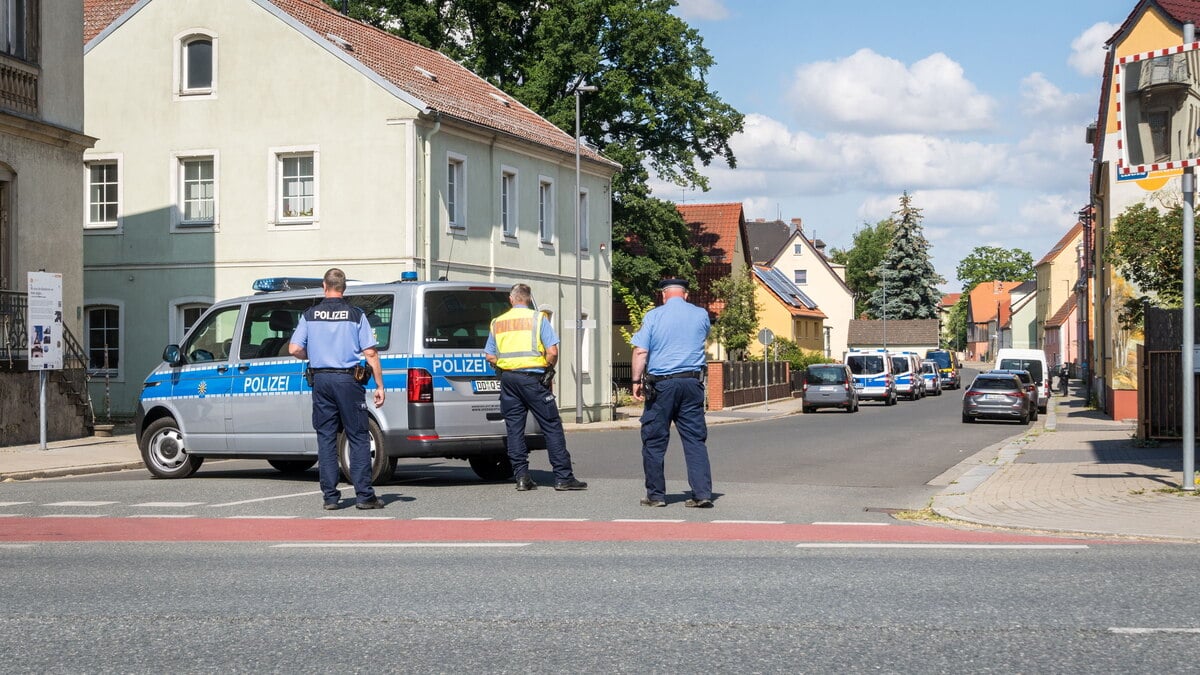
(1034, 547)
(169, 504)
(750, 522)
(75, 515)
(448, 518)
(262, 517)
(1151, 631)
(356, 518)
(855, 524)
(267, 499)
(551, 520)
(9, 515)
(16, 545)
(462, 544)
(647, 520)
(162, 515)
(81, 504)
(13, 503)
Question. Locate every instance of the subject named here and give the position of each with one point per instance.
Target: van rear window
(865, 365)
(900, 364)
(460, 318)
(942, 358)
(1034, 367)
(826, 375)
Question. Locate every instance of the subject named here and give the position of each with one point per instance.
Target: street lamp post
(580, 89)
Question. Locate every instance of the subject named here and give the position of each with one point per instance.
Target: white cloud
(944, 209)
(1087, 50)
(870, 93)
(1051, 158)
(701, 10)
(1042, 98)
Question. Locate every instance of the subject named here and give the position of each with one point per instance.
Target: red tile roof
(1060, 317)
(986, 297)
(452, 90)
(950, 299)
(716, 229)
(1075, 231)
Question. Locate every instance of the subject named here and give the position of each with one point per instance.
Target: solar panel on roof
(784, 288)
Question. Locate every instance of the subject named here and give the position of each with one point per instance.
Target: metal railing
(18, 86)
(14, 350)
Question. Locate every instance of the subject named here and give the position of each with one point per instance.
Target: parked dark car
(829, 385)
(1030, 385)
(997, 396)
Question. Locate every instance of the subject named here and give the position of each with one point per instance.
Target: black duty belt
(692, 374)
(530, 373)
(344, 371)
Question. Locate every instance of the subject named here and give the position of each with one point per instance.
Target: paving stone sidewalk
(1079, 473)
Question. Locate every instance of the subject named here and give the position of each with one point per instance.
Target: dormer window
(196, 71)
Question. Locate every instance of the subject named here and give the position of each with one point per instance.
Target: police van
(230, 389)
(872, 370)
(906, 371)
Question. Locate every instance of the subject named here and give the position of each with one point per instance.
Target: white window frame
(178, 223)
(179, 84)
(114, 374)
(15, 24)
(796, 277)
(275, 216)
(104, 227)
(546, 211)
(175, 310)
(798, 249)
(509, 191)
(584, 223)
(456, 218)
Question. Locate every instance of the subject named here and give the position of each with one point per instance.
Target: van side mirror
(173, 356)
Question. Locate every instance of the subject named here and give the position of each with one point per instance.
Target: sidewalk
(1079, 472)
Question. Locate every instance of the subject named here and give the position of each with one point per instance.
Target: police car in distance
(231, 389)
(872, 370)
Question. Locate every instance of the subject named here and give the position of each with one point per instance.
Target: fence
(1160, 381)
(743, 382)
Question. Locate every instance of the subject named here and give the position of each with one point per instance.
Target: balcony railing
(14, 348)
(18, 86)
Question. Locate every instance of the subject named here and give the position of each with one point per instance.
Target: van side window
(378, 309)
(213, 338)
(269, 326)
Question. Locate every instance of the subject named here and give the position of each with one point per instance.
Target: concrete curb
(60, 472)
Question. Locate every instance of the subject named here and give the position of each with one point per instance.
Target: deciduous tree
(870, 245)
(992, 263)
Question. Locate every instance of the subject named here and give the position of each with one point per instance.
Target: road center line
(1035, 547)
(14, 503)
(267, 499)
(406, 545)
(646, 520)
(81, 504)
(550, 520)
(750, 522)
(169, 504)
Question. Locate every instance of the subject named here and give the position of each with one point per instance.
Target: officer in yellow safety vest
(523, 348)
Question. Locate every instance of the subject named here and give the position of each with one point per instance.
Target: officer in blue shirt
(668, 373)
(331, 335)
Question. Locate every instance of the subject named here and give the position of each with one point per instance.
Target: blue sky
(977, 109)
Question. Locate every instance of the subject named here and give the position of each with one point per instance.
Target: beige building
(259, 138)
(42, 142)
(803, 261)
(1057, 273)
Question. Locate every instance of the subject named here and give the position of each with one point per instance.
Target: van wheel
(164, 450)
(382, 466)
(292, 465)
(491, 467)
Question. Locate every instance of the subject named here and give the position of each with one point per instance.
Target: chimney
(796, 224)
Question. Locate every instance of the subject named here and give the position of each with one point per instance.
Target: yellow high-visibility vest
(519, 339)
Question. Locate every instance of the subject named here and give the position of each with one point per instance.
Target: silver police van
(231, 389)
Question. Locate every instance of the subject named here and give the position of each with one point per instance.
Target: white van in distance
(1033, 360)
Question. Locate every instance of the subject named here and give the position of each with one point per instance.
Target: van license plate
(486, 386)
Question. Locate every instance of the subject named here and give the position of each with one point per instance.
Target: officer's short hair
(335, 280)
(521, 293)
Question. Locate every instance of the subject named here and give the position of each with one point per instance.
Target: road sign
(765, 337)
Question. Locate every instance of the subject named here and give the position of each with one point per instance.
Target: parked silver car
(931, 373)
(829, 385)
(997, 396)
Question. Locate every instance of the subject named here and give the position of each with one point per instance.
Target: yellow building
(786, 311)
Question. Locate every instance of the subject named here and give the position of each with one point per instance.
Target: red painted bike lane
(52, 529)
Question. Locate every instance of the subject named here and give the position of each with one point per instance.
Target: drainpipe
(428, 245)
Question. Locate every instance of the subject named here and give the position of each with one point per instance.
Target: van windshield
(1034, 367)
(865, 364)
(461, 317)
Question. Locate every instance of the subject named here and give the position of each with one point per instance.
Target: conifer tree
(907, 279)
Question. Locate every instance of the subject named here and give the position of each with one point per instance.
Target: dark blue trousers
(520, 395)
(681, 401)
(340, 405)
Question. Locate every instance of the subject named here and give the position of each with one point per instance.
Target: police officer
(668, 373)
(523, 347)
(331, 335)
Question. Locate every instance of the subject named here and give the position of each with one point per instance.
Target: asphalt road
(238, 569)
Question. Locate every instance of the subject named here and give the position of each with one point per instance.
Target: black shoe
(372, 503)
(699, 503)
(332, 506)
(572, 484)
(525, 483)
(646, 501)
